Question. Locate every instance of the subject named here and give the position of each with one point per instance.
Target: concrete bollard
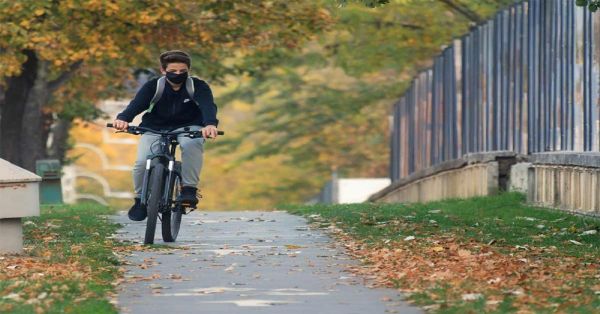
(19, 195)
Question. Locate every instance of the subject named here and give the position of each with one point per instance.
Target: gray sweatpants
(192, 151)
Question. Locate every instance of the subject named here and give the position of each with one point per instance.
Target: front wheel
(171, 219)
(153, 205)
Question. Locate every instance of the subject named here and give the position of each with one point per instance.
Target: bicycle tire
(171, 220)
(153, 204)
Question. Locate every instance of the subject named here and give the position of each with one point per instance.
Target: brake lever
(195, 134)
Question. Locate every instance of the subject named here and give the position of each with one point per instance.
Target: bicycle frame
(166, 155)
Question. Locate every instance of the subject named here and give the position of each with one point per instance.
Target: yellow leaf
(39, 12)
(464, 253)
(438, 248)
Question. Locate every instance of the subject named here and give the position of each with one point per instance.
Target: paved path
(247, 262)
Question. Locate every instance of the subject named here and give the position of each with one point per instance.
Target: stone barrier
(19, 195)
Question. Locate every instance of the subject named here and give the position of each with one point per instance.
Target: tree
(326, 107)
(48, 47)
(593, 5)
(475, 11)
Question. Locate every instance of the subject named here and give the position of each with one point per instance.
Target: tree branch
(463, 10)
(63, 77)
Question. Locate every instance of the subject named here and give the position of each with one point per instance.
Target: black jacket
(174, 109)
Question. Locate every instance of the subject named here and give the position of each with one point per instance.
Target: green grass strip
(75, 235)
(504, 219)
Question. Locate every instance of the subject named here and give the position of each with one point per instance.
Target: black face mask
(177, 78)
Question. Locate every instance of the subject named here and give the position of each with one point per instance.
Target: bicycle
(162, 183)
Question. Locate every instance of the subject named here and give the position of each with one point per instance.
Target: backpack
(160, 88)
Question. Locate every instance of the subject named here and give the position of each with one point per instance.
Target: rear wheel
(171, 219)
(153, 204)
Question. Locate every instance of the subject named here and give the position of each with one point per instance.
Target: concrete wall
(471, 180)
(567, 181)
(473, 175)
(564, 180)
(563, 187)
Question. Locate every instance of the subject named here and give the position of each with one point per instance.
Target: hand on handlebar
(120, 125)
(209, 131)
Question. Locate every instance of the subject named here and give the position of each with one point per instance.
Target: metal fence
(525, 81)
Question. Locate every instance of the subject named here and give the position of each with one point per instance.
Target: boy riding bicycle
(174, 102)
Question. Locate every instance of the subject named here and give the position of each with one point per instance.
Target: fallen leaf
(432, 307)
(517, 292)
(472, 296)
(155, 286)
(174, 276)
(438, 248)
(464, 253)
(13, 296)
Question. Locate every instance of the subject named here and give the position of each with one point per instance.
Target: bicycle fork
(167, 193)
(144, 196)
(168, 183)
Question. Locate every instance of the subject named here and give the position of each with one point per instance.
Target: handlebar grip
(109, 125)
(220, 133)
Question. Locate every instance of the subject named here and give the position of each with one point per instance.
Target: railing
(525, 81)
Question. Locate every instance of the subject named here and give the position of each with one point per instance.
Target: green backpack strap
(160, 88)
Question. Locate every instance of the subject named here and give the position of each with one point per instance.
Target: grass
(555, 245)
(503, 219)
(68, 264)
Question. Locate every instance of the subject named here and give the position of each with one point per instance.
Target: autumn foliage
(56, 53)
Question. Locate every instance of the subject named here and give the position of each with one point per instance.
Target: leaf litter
(471, 271)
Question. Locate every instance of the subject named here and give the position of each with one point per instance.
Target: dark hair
(174, 56)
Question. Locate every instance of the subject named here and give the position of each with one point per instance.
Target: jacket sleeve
(204, 98)
(140, 102)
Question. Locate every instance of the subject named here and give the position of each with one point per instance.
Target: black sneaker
(188, 196)
(137, 212)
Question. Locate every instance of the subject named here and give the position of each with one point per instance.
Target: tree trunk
(24, 124)
(34, 129)
(60, 136)
(463, 10)
(12, 109)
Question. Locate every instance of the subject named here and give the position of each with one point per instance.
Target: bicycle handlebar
(140, 130)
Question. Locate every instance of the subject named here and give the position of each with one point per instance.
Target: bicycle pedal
(190, 210)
